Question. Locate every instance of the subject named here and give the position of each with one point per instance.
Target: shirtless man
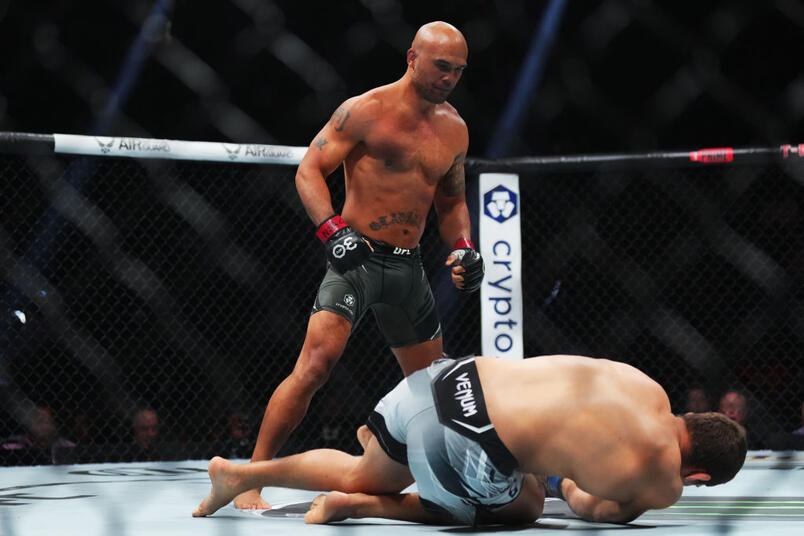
(473, 432)
(403, 148)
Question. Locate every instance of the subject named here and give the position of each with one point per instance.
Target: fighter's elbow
(308, 177)
(627, 518)
(619, 516)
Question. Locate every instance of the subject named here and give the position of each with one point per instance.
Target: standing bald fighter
(403, 148)
(473, 433)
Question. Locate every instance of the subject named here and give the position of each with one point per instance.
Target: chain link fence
(185, 288)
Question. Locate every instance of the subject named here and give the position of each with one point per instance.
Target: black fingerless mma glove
(472, 262)
(346, 248)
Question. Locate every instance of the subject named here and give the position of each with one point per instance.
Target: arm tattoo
(320, 142)
(454, 182)
(396, 218)
(339, 118)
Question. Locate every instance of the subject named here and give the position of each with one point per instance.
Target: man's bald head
(436, 60)
(439, 35)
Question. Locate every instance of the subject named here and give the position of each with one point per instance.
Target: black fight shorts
(393, 284)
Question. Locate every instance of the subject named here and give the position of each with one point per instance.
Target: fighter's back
(604, 424)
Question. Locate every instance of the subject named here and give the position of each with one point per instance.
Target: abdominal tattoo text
(396, 218)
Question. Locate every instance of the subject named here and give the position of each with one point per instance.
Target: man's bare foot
(364, 435)
(251, 500)
(335, 506)
(224, 487)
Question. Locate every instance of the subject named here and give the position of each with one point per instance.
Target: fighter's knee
(316, 366)
(364, 435)
(355, 481)
(533, 511)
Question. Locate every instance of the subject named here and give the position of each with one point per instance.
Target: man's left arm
(455, 228)
(593, 508)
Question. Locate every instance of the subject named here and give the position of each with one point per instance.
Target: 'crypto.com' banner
(501, 247)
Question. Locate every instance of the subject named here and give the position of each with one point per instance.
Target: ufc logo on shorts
(401, 251)
(340, 249)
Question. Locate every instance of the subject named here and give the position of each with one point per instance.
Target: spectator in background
(42, 441)
(82, 428)
(698, 401)
(789, 441)
(734, 405)
(239, 440)
(145, 427)
(800, 431)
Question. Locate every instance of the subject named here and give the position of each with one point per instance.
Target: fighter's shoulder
(451, 126)
(450, 116)
(354, 116)
(662, 482)
(662, 493)
(367, 105)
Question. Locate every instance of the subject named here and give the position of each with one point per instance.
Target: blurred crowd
(737, 405)
(47, 439)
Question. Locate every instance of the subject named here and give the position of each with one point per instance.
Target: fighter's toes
(203, 509)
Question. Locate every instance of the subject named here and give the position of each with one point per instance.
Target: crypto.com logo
(500, 203)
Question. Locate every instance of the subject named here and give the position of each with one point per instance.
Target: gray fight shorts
(435, 421)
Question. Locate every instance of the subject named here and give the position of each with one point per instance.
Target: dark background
(186, 286)
(621, 75)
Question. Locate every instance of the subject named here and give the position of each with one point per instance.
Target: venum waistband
(461, 407)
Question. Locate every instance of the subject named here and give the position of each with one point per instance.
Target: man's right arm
(345, 248)
(326, 152)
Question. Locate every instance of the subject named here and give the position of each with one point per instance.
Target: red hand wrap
(464, 243)
(330, 225)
